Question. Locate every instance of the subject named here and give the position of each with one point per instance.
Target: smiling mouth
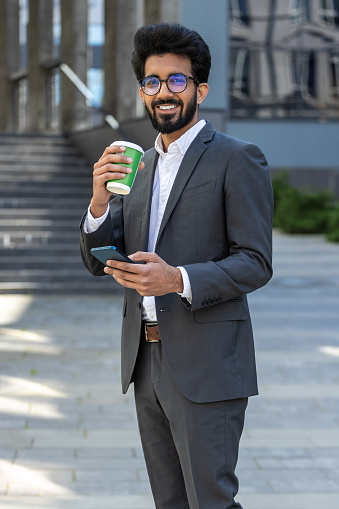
(168, 106)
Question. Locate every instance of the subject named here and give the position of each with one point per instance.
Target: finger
(112, 149)
(125, 267)
(116, 160)
(127, 279)
(107, 174)
(132, 285)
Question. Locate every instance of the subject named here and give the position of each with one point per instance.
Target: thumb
(142, 256)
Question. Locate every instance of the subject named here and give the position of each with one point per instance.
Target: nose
(164, 90)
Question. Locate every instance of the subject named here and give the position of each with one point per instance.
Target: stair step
(55, 224)
(44, 181)
(41, 158)
(69, 287)
(41, 169)
(45, 188)
(42, 274)
(39, 212)
(41, 258)
(37, 139)
(80, 203)
(34, 148)
(32, 248)
(43, 235)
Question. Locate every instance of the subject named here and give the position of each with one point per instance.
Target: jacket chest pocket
(197, 189)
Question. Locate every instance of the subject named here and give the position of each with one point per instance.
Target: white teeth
(167, 107)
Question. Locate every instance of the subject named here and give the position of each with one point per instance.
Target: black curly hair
(171, 38)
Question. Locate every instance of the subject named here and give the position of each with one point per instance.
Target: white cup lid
(128, 144)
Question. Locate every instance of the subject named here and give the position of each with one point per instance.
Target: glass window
(279, 69)
(300, 10)
(329, 11)
(334, 75)
(239, 12)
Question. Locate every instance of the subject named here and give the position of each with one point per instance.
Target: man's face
(170, 112)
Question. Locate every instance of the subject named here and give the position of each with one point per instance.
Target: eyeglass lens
(175, 83)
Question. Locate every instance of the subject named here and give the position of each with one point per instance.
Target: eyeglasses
(176, 83)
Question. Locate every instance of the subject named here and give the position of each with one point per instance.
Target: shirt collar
(181, 144)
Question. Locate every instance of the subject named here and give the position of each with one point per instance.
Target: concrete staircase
(45, 186)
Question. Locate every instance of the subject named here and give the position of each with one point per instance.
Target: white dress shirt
(165, 174)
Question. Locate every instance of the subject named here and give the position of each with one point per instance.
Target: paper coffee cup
(124, 185)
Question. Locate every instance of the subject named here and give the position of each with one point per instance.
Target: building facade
(274, 78)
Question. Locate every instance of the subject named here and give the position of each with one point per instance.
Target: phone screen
(110, 253)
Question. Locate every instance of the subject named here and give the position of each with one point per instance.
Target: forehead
(163, 65)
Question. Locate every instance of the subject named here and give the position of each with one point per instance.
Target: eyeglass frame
(166, 80)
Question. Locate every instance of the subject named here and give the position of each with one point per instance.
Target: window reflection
(239, 12)
(284, 59)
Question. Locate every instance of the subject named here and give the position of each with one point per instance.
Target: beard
(166, 124)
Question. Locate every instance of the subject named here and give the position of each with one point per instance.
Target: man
(200, 216)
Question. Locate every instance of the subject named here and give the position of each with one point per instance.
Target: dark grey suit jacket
(218, 225)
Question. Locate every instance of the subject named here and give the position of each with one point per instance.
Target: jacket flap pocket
(231, 310)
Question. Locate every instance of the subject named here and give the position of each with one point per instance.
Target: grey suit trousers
(191, 449)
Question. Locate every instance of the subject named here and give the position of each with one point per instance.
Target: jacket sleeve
(110, 233)
(249, 213)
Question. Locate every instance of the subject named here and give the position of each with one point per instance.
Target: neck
(167, 139)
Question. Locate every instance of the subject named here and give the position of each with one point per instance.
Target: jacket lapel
(186, 169)
(150, 161)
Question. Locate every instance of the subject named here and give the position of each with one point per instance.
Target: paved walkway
(68, 438)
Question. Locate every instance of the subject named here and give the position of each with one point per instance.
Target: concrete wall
(292, 144)
(209, 19)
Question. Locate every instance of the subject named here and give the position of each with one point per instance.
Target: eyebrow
(154, 75)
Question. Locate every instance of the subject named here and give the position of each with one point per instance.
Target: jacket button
(139, 305)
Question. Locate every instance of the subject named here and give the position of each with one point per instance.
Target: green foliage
(280, 189)
(333, 223)
(301, 211)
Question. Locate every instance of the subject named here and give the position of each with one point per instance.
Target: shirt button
(163, 199)
(167, 170)
(151, 317)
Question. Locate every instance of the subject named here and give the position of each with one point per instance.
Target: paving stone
(68, 437)
(74, 502)
(287, 501)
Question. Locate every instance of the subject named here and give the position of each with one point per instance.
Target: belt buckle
(146, 335)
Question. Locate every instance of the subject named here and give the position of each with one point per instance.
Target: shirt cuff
(91, 224)
(187, 292)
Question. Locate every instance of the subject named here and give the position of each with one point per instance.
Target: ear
(141, 93)
(202, 91)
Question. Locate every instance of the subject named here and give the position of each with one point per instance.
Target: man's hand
(154, 278)
(109, 167)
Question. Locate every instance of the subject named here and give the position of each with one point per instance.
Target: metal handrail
(83, 89)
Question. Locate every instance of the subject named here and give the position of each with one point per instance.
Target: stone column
(39, 40)
(74, 15)
(109, 59)
(127, 86)
(170, 11)
(152, 12)
(9, 60)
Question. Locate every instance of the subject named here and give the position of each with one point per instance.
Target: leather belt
(152, 333)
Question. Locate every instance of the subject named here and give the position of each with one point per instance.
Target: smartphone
(110, 253)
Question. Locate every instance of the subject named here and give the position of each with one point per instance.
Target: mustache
(162, 102)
